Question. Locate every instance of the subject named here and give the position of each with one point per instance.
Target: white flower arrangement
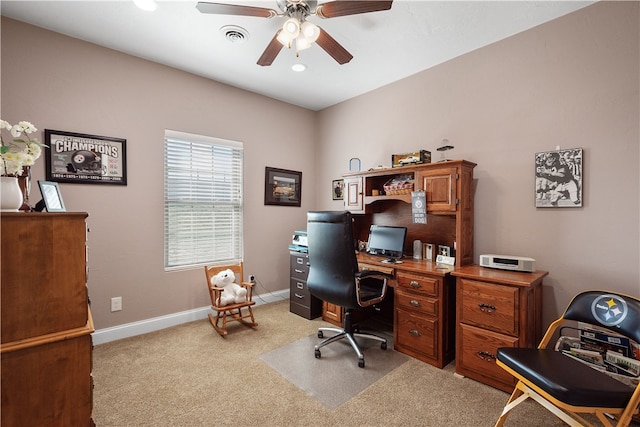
(19, 151)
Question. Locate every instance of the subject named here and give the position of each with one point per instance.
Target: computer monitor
(387, 241)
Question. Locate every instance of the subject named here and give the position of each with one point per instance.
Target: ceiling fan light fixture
(302, 43)
(310, 31)
(291, 28)
(284, 39)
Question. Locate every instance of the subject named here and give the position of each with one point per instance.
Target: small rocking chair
(229, 312)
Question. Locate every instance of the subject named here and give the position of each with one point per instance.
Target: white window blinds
(202, 200)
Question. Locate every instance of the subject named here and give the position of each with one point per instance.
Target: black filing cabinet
(301, 302)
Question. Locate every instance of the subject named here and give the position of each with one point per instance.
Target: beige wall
(62, 83)
(572, 82)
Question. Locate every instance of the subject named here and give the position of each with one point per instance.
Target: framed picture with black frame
(337, 189)
(51, 197)
(282, 187)
(79, 158)
(559, 178)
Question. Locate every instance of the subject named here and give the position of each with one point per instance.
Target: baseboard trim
(102, 336)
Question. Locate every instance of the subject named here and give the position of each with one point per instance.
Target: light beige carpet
(335, 377)
(189, 376)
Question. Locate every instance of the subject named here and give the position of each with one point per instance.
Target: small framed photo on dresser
(51, 197)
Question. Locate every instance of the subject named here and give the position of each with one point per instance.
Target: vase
(10, 194)
(24, 182)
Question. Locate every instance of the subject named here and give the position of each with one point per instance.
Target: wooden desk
(424, 308)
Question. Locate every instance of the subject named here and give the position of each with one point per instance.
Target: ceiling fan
(296, 28)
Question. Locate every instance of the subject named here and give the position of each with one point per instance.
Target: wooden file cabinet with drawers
(495, 309)
(424, 318)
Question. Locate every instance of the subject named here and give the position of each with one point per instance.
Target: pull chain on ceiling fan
(296, 28)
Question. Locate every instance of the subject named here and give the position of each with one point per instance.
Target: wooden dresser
(46, 323)
(495, 308)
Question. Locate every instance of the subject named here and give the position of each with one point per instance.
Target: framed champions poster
(85, 159)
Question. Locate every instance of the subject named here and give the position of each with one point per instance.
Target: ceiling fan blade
(351, 7)
(233, 9)
(270, 53)
(333, 48)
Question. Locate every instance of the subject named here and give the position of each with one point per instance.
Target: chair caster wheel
(320, 334)
(317, 353)
(383, 345)
(361, 363)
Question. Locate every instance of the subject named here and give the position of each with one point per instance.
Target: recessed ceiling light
(299, 67)
(148, 5)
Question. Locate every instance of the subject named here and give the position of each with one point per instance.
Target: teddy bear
(232, 292)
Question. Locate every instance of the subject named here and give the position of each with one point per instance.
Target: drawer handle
(299, 271)
(298, 295)
(415, 284)
(487, 308)
(414, 303)
(299, 285)
(486, 356)
(414, 332)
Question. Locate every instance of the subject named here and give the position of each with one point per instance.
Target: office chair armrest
(373, 273)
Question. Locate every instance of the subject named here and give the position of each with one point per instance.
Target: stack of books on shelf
(613, 354)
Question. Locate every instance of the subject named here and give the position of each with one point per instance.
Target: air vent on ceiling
(235, 34)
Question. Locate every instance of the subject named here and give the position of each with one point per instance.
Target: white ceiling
(387, 46)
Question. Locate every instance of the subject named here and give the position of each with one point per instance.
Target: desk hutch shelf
(424, 295)
(448, 188)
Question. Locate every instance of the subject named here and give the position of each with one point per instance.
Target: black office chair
(334, 276)
(568, 387)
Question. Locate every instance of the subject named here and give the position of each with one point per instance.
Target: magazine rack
(605, 351)
(567, 385)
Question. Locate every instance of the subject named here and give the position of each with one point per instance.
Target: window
(202, 200)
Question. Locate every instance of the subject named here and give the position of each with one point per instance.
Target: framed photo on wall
(282, 187)
(79, 158)
(559, 178)
(337, 189)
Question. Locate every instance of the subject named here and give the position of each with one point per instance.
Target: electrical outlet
(252, 278)
(116, 304)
